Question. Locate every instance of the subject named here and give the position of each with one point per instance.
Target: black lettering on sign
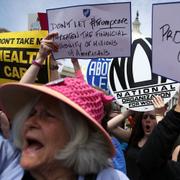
(169, 34)
(17, 55)
(63, 25)
(7, 40)
(38, 41)
(25, 40)
(107, 23)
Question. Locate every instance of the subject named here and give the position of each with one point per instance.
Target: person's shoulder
(110, 173)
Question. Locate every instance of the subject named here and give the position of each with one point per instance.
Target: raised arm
(47, 46)
(114, 126)
(77, 68)
(117, 120)
(54, 69)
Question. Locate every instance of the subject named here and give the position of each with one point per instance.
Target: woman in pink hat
(57, 127)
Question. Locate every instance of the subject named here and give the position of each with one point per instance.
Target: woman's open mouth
(148, 128)
(32, 145)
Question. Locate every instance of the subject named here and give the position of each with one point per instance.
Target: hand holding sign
(48, 45)
(159, 106)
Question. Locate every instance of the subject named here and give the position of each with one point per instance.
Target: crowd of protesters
(67, 129)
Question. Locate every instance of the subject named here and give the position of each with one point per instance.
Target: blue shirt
(9, 161)
(118, 160)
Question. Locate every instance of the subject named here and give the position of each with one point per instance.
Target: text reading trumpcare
(90, 37)
(143, 96)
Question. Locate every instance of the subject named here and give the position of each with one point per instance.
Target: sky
(14, 13)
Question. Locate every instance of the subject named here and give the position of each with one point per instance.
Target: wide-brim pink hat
(72, 91)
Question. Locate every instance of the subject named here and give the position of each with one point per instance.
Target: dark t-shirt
(27, 176)
(131, 163)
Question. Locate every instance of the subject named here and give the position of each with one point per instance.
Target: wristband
(37, 64)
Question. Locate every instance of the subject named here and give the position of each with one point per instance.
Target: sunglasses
(149, 115)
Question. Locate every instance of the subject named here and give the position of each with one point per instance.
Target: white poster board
(166, 40)
(91, 31)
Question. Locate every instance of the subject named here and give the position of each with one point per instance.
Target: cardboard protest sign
(92, 31)
(17, 50)
(166, 40)
(132, 82)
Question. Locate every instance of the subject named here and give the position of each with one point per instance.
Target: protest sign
(97, 73)
(132, 82)
(17, 50)
(92, 31)
(166, 40)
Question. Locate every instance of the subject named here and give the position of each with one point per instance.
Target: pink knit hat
(90, 99)
(73, 91)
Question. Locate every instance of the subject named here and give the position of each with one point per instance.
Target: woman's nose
(32, 122)
(36, 116)
(148, 119)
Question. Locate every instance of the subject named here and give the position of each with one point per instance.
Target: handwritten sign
(92, 31)
(17, 50)
(166, 40)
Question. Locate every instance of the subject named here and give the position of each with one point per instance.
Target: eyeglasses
(145, 116)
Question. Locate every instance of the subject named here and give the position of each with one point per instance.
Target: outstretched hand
(159, 105)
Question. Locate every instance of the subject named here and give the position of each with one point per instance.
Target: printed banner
(166, 39)
(132, 82)
(17, 50)
(92, 31)
(97, 73)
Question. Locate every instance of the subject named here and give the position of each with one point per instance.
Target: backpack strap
(90, 177)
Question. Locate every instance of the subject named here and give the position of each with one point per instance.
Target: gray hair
(19, 120)
(87, 151)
